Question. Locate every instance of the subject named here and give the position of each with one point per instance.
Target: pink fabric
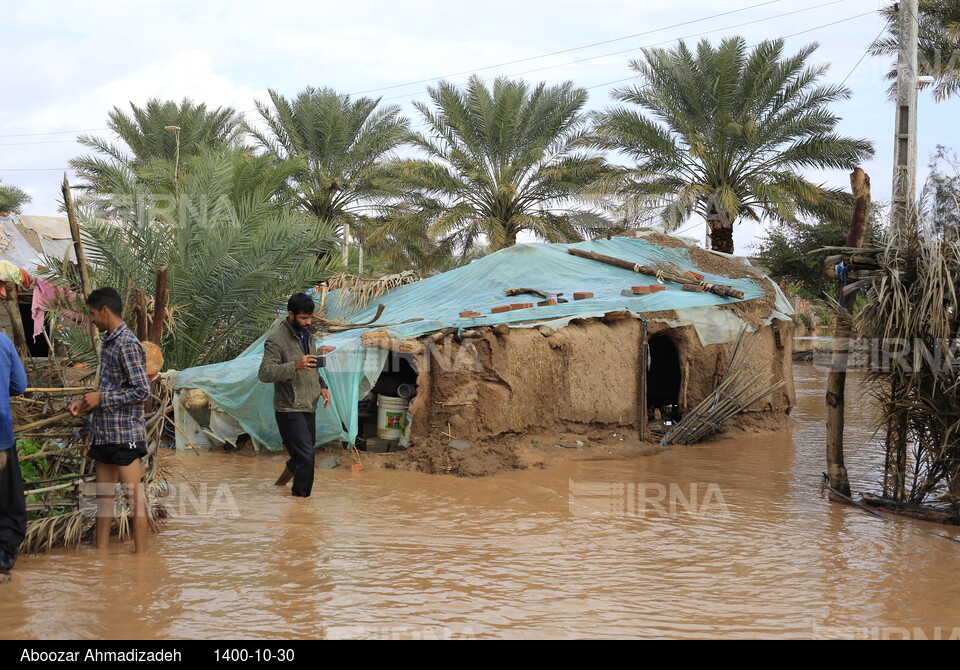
(44, 298)
(43, 295)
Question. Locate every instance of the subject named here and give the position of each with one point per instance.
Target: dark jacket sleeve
(272, 369)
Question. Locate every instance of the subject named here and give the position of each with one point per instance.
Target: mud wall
(525, 380)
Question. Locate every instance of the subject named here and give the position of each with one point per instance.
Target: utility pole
(902, 210)
(905, 146)
(176, 169)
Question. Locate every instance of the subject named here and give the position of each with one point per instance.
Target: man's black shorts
(124, 453)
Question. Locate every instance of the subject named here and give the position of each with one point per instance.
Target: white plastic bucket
(391, 416)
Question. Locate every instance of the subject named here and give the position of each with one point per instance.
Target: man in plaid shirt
(117, 436)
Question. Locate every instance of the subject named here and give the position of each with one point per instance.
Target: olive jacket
(293, 390)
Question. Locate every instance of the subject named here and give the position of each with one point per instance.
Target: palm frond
(500, 160)
(724, 131)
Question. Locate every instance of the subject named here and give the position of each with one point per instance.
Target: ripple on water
(395, 554)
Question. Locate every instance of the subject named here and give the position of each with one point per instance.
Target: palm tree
(938, 44)
(500, 161)
(151, 151)
(234, 253)
(12, 199)
(342, 146)
(725, 135)
(392, 249)
(940, 196)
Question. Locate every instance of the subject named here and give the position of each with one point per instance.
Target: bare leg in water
(133, 490)
(106, 478)
(129, 478)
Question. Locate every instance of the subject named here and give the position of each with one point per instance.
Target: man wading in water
(288, 363)
(117, 436)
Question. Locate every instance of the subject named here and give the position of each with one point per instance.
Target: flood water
(729, 539)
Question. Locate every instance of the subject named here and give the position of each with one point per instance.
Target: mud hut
(479, 357)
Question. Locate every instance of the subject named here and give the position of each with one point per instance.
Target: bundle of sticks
(664, 271)
(740, 387)
(861, 266)
(362, 291)
(52, 449)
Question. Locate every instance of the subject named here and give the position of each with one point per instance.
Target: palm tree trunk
(837, 378)
(721, 235)
(509, 239)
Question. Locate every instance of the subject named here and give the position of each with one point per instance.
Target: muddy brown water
(727, 539)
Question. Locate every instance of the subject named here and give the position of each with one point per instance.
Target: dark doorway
(398, 380)
(398, 371)
(39, 347)
(663, 377)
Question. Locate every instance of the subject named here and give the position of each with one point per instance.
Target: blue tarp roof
(352, 370)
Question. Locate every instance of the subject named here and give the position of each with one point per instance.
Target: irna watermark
(642, 499)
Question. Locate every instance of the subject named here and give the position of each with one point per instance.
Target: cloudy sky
(68, 64)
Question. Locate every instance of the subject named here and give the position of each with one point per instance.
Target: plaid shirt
(123, 388)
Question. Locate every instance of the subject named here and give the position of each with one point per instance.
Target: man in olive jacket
(290, 364)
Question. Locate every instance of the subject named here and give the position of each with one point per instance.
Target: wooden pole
(912, 511)
(683, 386)
(860, 185)
(141, 315)
(56, 389)
(642, 383)
(159, 305)
(128, 300)
(837, 378)
(717, 289)
(81, 258)
(42, 422)
(75, 233)
(16, 322)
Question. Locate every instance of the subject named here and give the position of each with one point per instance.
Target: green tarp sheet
(351, 371)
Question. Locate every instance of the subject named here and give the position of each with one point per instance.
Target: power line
(865, 52)
(685, 37)
(563, 51)
(832, 23)
(620, 81)
(670, 41)
(583, 60)
(802, 32)
(23, 144)
(826, 25)
(614, 53)
(520, 60)
(57, 132)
